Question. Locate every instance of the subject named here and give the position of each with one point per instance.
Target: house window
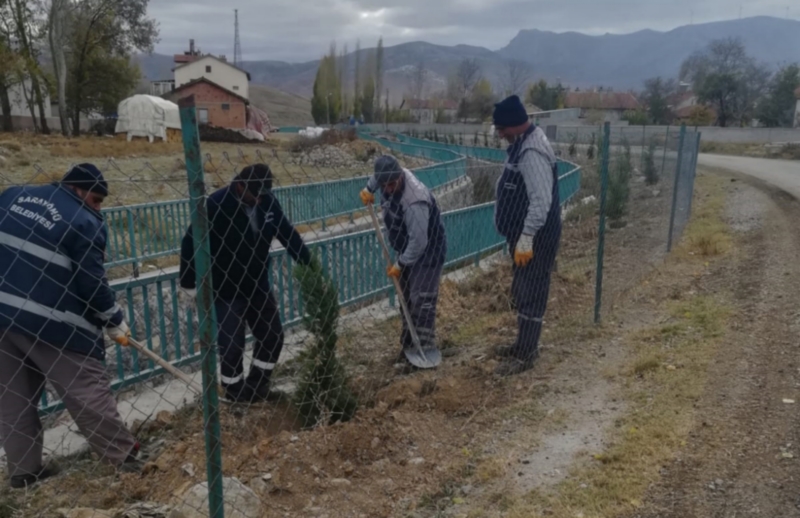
(235, 87)
(226, 107)
(208, 69)
(202, 116)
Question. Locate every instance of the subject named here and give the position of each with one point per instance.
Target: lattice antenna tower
(237, 43)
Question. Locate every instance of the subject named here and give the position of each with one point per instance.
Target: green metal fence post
(644, 145)
(601, 231)
(675, 187)
(666, 146)
(202, 258)
(694, 172)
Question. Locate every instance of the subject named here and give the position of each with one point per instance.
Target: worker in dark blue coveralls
(244, 219)
(55, 303)
(528, 215)
(416, 232)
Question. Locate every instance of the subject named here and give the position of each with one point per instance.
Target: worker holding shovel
(416, 233)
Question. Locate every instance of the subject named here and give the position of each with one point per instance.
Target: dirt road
(741, 458)
(784, 174)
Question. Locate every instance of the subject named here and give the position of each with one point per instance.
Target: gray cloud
(301, 30)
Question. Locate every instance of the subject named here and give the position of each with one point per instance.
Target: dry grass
(666, 374)
(140, 172)
(708, 234)
(783, 151)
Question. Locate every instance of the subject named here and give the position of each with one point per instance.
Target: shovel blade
(426, 358)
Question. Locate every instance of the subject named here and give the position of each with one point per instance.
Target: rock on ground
(240, 501)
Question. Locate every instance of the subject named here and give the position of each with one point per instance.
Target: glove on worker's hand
(523, 253)
(394, 271)
(367, 198)
(120, 333)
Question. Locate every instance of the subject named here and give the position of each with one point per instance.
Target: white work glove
(120, 333)
(523, 253)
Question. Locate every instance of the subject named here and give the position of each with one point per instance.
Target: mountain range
(620, 61)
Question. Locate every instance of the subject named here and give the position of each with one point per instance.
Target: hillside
(284, 109)
(620, 61)
(625, 61)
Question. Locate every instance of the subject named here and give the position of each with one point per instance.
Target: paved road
(784, 174)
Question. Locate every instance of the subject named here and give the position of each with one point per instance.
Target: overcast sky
(301, 30)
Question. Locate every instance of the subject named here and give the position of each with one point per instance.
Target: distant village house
(609, 106)
(430, 111)
(221, 90)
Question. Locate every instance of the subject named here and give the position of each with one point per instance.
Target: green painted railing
(152, 230)
(569, 174)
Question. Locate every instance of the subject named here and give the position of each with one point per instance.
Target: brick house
(216, 105)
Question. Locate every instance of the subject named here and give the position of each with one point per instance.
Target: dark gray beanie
(387, 170)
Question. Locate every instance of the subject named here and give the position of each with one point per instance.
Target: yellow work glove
(523, 253)
(119, 334)
(394, 271)
(367, 198)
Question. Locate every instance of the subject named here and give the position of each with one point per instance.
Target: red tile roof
(602, 100)
(170, 95)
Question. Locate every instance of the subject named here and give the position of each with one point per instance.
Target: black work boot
(259, 384)
(29, 479)
(238, 392)
(504, 351)
(513, 365)
(134, 462)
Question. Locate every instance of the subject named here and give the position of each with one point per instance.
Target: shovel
(166, 366)
(416, 356)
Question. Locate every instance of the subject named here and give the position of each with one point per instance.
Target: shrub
(590, 151)
(619, 184)
(323, 385)
(650, 171)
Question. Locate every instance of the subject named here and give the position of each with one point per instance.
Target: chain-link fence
(295, 391)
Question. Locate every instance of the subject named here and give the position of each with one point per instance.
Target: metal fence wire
(266, 372)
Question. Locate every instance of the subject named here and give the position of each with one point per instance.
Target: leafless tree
(57, 38)
(468, 74)
(418, 79)
(518, 74)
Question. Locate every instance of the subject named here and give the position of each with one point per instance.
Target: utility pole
(237, 44)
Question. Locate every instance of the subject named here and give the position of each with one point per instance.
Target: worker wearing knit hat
(87, 177)
(415, 230)
(528, 215)
(509, 113)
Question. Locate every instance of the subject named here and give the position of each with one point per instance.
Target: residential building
(216, 105)
(19, 93)
(428, 111)
(218, 71)
(221, 90)
(611, 106)
(159, 88)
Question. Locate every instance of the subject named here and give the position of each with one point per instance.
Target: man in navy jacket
(55, 303)
(244, 218)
